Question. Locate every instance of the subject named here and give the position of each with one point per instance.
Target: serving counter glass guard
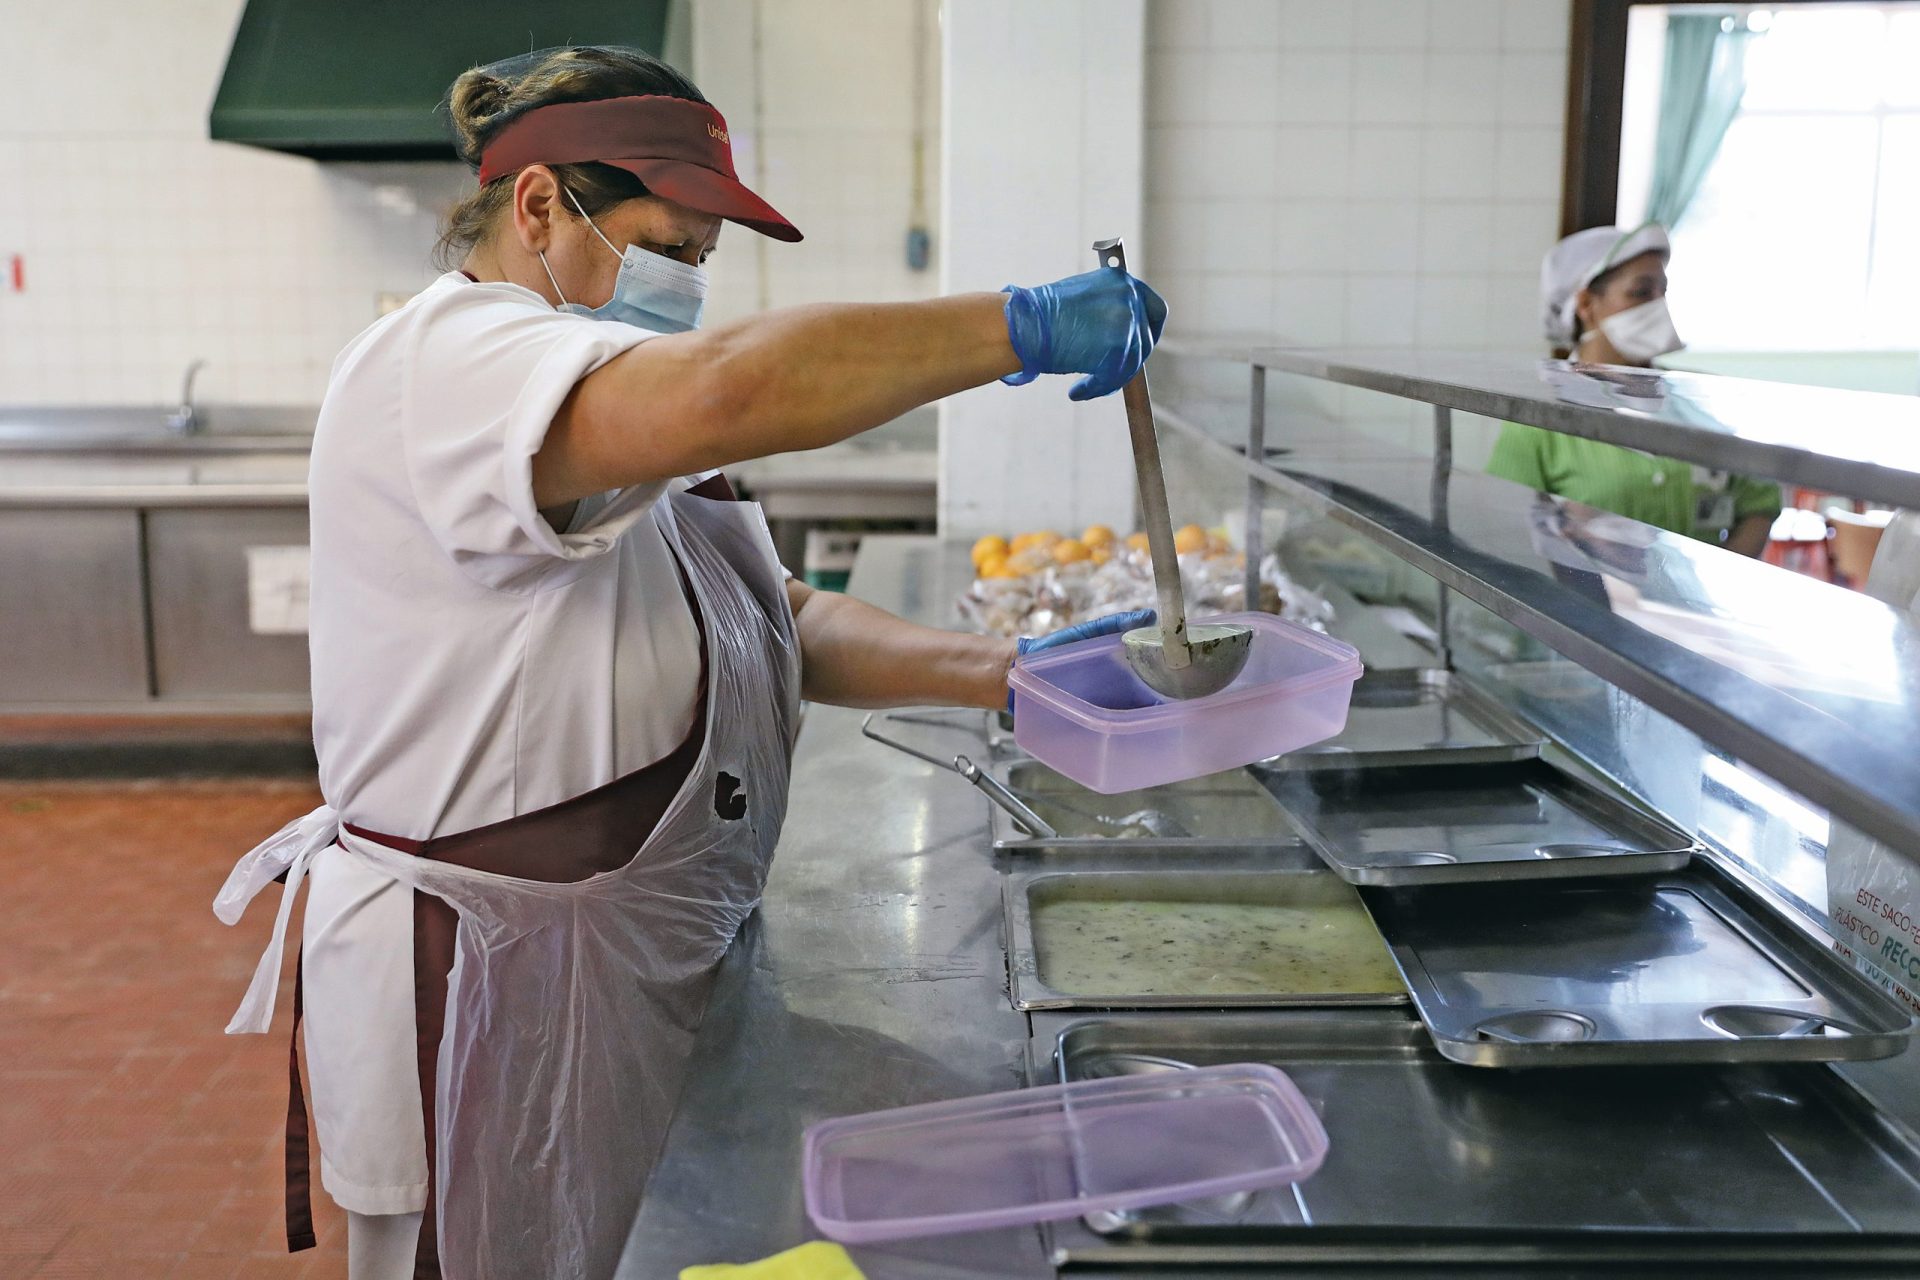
(1863, 444)
(1815, 686)
(1774, 716)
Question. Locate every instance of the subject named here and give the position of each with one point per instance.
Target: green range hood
(363, 79)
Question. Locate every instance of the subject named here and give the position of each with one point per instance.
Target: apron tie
(288, 851)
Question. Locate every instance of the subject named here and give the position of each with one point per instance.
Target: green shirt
(1668, 494)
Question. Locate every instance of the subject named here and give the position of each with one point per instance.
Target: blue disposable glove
(1091, 629)
(1102, 324)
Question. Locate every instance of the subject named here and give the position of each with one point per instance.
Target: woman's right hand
(1102, 324)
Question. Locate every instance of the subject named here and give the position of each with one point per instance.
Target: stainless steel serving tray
(1682, 967)
(1223, 813)
(1022, 894)
(1417, 716)
(1443, 824)
(1431, 1164)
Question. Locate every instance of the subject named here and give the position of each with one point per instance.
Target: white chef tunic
(470, 662)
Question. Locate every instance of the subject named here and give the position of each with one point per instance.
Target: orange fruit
(991, 567)
(988, 547)
(1070, 551)
(1136, 542)
(1097, 535)
(1190, 538)
(1030, 560)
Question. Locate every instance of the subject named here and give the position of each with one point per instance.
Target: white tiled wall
(146, 246)
(1359, 173)
(1043, 156)
(835, 79)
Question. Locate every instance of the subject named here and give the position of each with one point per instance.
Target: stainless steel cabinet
(72, 624)
(203, 643)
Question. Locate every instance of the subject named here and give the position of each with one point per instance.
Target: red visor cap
(679, 148)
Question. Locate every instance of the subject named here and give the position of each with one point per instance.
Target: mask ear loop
(574, 200)
(589, 221)
(550, 280)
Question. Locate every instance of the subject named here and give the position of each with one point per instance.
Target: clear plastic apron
(572, 1008)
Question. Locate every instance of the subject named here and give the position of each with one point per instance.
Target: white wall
(145, 245)
(1354, 173)
(1043, 155)
(835, 82)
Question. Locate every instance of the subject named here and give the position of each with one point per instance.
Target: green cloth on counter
(1664, 492)
(816, 1261)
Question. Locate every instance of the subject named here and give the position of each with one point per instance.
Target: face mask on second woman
(651, 291)
(1643, 332)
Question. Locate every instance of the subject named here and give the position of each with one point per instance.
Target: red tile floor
(137, 1140)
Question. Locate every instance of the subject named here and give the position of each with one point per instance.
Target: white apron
(572, 1007)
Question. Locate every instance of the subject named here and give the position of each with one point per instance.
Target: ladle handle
(1153, 498)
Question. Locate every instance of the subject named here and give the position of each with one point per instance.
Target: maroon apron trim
(435, 926)
(580, 837)
(298, 1166)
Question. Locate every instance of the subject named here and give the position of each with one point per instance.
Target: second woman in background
(1604, 297)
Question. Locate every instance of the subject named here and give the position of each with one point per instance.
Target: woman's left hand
(1091, 629)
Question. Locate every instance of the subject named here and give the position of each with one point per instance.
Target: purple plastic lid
(1036, 1155)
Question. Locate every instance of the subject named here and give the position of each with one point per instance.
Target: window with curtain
(1804, 234)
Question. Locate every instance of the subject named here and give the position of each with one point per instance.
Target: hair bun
(475, 104)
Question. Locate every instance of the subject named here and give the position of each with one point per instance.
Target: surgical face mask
(1642, 332)
(651, 291)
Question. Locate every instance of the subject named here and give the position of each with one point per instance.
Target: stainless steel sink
(143, 432)
(162, 446)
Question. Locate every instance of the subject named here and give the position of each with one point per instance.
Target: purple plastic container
(1081, 711)
(1036, 1155)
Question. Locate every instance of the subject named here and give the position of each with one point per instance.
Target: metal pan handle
(983, 781)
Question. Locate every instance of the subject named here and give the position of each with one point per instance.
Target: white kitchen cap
(1577, 261)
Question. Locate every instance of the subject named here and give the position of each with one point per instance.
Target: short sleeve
(487, 370)
(1755, 498)
(1516, 456)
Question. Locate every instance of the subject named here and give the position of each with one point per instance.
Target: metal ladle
(1173, 659)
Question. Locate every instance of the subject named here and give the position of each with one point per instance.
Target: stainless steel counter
(138, 540)
(873, 976)
(125, 580)
(110, 480)
(66, 459)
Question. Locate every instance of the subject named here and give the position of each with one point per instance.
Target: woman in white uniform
(556, 671)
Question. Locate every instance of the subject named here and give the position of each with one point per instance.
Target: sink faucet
(185, 419)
